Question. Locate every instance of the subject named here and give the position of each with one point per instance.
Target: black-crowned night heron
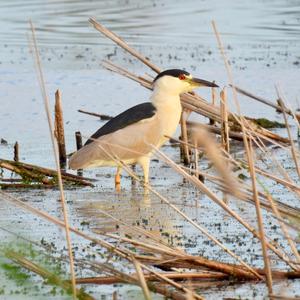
(130, 136)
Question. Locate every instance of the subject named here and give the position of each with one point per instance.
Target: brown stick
(182, 276)
(25, 174)
(35, 172)
(101, 116)
(59, 130)
(217, 130)
(230, 269)
(5, 186)
(16, 152)
(10, 179)
(150, 277)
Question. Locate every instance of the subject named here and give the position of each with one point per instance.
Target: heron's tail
(80, 159)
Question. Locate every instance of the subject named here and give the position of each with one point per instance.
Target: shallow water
(262, 41)
(152, 22)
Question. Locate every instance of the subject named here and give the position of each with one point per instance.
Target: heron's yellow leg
(118, 176)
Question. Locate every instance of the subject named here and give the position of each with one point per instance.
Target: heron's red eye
(181, 76)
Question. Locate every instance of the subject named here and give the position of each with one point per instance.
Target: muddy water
(262, 40)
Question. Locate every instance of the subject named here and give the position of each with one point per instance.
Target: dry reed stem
(55, 151)
(291, 142)
(231, 270)
(149, 277)
(173, 283)
(196, 158)
(267, 102)
(260, 221)
(278, 297)
(293, 149)
(122, 44)
(141, 278)
(284, 230)
(295, 116)
(265, 150)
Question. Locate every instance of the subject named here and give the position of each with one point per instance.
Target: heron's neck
(165, 98)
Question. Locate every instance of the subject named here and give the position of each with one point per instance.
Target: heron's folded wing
(127, 143)
(130, 116)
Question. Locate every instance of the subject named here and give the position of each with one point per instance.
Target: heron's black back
(130, 116)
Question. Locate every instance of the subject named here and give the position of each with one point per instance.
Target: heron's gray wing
(130, 116)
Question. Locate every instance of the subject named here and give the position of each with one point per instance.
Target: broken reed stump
(213, 102)
(78, 138)
(34, 175)
(59, 130)
(16, 152)
(184, 137)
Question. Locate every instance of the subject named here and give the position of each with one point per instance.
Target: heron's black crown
(171, 72)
